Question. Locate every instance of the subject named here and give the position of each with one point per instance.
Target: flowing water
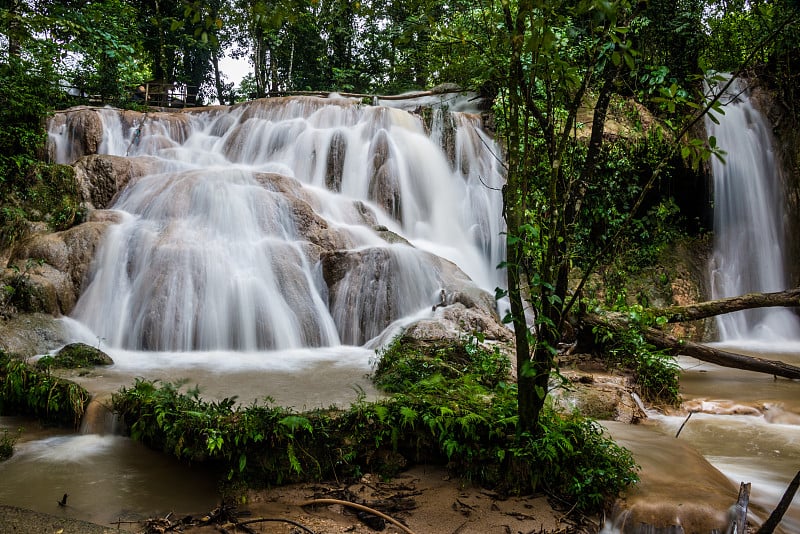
(749, 221)
(217, 272)
(266, 250)
(746, 425)
(758, 440)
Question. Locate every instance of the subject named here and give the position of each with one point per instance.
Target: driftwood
(704, 310)
(362, 508)
(619, 322)
(739, 520)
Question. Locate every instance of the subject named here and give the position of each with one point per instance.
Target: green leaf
(293, 422)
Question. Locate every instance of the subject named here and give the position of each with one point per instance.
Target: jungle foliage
(30, 188)
(25, 390)
(573, 200)
(450, 405)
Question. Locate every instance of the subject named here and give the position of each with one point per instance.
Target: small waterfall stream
(749, 226)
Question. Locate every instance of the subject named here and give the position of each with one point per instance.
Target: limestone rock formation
(101, 177)
(51, 268)
(30, 334)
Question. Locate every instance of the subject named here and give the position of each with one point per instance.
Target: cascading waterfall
(288, 223)
(749, 234)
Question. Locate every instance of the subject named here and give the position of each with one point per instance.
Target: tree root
(362, 508)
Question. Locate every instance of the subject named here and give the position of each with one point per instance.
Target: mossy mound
(75, 356)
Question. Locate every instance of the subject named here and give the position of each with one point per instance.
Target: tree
(548, 60)
(558, 53)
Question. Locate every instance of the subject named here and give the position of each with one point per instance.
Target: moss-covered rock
(76, 355)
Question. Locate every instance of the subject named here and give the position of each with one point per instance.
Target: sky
(235, 69)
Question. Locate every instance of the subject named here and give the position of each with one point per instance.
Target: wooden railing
(156, 94)
(164, 94)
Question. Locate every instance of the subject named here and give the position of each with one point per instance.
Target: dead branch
(704, 310)
(775, 517)
(618, 322)
(361, 507)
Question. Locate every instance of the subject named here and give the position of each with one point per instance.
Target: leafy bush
(7, 442)
(442, 415)
(26, 390)
(656, 372)
(30, 189)
(404, 363)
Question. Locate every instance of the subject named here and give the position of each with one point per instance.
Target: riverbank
(22, 521)
(426, 499)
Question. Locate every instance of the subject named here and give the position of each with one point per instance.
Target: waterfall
(288, 223)
(749, 211)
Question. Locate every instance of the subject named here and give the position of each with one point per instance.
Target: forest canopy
(380, 46)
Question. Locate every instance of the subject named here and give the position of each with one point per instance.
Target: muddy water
(107, 478)
(303, 379)
(746, 424)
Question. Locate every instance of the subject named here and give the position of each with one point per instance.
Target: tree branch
(703, 310)
(618, 322)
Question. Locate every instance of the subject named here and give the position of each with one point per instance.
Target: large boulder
(370, 288)
(30, 334)
(101, 177)
(82, 131)
(75, 356)
(49, 270)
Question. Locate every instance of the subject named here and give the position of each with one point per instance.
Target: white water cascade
(288, 223)
(749, 211)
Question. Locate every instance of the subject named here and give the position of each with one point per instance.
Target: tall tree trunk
(218, 77)
(14, 46)
(530, 392)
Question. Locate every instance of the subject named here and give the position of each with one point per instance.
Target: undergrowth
(25, 390)
(7, 442)
(451, 406)
(656, 372)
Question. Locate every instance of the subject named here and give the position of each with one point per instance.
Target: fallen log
(661, 340)
(704, 310)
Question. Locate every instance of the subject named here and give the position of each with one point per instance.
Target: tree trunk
(617, 321)
(703, 310)
(218, 77)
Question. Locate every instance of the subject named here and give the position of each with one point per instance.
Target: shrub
(443, 414)
(27, 391)
(656, 372)
(7, 442)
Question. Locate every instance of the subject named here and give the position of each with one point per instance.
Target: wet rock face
(49, 270)
(335, 163)
(101, 177)
(30, 334)
(85, 131)
(787, 142)
(370, 289)
(383, 186)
